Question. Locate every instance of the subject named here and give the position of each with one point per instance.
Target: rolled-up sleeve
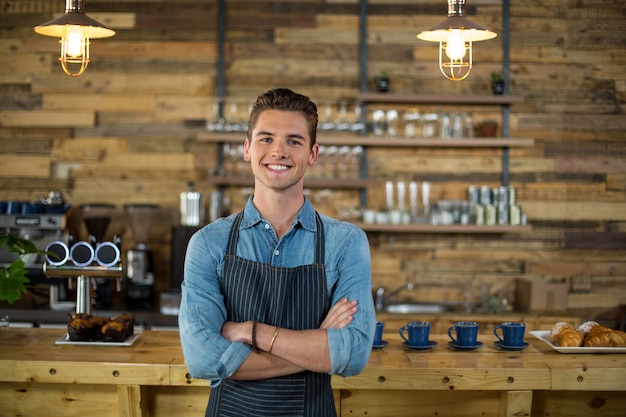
(202, 314)
(350, 347)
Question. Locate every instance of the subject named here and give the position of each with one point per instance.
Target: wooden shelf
(453, 228)
(342, 139)
(427, 142)
(438, 99)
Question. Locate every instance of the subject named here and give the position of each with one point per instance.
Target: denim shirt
(202, 314)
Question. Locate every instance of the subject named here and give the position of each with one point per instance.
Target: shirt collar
(305, 217)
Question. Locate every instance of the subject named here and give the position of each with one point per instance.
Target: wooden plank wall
(125, 131)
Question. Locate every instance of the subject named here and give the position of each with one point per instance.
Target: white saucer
(431, 344)
(459, 347)
(383, 343)
(500, 345)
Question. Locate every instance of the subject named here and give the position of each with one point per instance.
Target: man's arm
(292, 351)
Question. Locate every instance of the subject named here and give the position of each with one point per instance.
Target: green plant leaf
(18, 245)
(13, 277)
(12, 281)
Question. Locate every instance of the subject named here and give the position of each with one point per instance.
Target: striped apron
(292, 298)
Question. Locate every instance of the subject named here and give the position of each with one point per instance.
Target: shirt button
(276, 253)
(267, 226)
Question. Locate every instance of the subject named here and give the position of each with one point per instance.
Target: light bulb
(455, 46)
(74, 41)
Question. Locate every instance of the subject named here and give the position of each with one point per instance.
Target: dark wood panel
(586, 240)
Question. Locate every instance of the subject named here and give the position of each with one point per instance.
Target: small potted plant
(497, 83)
(13, 277)
(382, 82)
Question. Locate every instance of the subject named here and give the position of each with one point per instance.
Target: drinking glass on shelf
(445, 126)
(468, 126)
(411, 121)
(342, 123)
(358, 126)
(378, 123)
(354, 161)
(426, 197)
(413, 198)
(241, 167)
(330, 165)
(457, 125)
(215, 122)
(327, 123)
(429, 127)
(232, 117)
(389, 195)
(401, 188)
(392, 123)
(343, 159)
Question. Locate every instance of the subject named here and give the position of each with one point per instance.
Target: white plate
(544, 336)
(65, 340)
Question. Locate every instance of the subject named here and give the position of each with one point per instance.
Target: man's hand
(340, 315)
(238, 332)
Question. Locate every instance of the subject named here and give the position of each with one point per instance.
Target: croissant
(563, 334)
(600, 336)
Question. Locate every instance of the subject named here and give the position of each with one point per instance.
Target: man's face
(279, 149)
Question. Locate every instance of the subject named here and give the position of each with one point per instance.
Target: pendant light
(75, 29)
(456, 36)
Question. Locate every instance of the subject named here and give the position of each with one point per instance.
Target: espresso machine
(92, 264)
(32, 222)
(139, 273)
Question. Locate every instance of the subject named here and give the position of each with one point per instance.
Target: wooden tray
(65, 340)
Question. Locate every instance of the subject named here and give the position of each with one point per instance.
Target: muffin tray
(65, 340)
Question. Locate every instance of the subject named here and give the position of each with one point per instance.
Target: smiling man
(277, 298)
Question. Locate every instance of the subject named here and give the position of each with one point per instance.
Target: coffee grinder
(140, 281)
(97, 217)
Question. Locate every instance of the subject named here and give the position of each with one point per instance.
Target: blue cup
(417, 331)
(378, 335)
(466, 333)
(512, 333)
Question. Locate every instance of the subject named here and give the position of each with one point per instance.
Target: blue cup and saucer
(500, 345)
(466, 333)
(380, 345)
(378, 342)
(512, 337)
(456, 346)
(429, 345)
(415, 335)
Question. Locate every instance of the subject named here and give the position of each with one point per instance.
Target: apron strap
(233, 237)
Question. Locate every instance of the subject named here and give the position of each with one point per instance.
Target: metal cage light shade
(456, 36)
(75, 29)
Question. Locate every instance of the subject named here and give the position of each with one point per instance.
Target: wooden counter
(149, 378)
